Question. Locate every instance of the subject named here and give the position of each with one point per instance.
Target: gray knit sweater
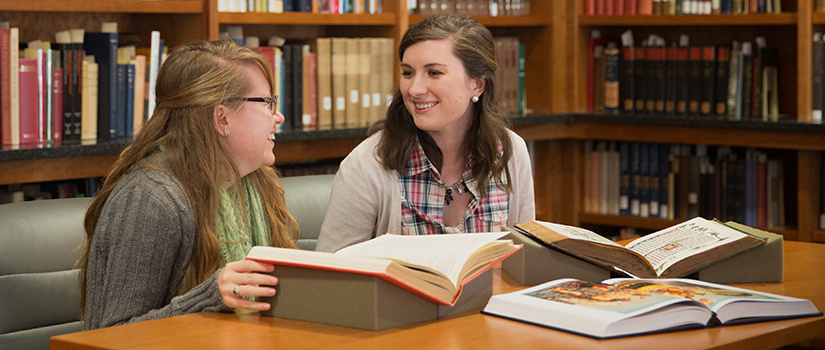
(142, 245)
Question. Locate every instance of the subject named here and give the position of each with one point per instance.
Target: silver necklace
(458, 187)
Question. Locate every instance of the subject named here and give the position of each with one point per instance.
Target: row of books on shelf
(49, 190)
(80, 88)
(338, 83)
(738, 80)
(321, 6)
(675, 181)
(680, 7)
(471, 7)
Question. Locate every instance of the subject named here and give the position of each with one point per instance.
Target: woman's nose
(279, 118)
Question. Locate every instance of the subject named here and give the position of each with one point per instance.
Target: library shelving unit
(179, 21)
(794, 138)
(182, 21)
(555, 35)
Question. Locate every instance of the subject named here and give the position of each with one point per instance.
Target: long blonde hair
(192, 82)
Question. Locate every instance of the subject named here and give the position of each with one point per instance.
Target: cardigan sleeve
(141, 249)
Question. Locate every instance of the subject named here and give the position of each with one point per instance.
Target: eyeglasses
(272, 102)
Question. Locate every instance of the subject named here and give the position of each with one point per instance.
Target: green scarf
(238, 233)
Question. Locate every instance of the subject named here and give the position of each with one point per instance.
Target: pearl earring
(475, 98)
(226, 132)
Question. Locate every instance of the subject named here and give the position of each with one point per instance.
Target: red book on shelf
(618, 7)
(29, 101)
(590, 7)
(645, 7)
(5, 87)
(630, 7)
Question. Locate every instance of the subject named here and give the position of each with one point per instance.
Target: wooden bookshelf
(790, 31)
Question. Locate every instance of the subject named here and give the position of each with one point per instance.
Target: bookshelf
(790, 32)
(555, 34)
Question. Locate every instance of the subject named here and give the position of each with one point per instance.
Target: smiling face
(436, 89)
(251, 128)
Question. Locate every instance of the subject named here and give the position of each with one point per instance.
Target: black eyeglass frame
(272, 101)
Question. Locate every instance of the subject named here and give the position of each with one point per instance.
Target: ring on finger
(235, 291)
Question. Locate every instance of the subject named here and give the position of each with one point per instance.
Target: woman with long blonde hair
(184, 203)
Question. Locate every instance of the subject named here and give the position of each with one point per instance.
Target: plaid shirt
(422, 201)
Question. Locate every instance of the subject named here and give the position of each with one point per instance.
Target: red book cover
(29, 103)
(5, 88)
(592, 44)
(608, 7)
(630, 7)
(618, 7)
(57, 107)
(590, 7)
(645, 7)
(437, 286)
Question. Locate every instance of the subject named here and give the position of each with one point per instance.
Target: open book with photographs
(622, 307)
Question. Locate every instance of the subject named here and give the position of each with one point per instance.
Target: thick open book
(621, 307)
(676, 251)
(432, 266)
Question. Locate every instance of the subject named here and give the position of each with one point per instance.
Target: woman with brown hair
(443, 160)
(168, 231)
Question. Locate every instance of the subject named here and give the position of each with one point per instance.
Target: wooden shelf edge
(789, 19)
(117, 6)
(503, 21)
(305, 18)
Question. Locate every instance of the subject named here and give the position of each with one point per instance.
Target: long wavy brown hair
(194, 80)
(487, 140)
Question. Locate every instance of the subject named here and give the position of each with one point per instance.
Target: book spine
(682, 77)
(287, 96)
(746, 81)
(129, 105)
(104, 47)
(695, 80)
(119, 124)
(627, 79)
(57, 107)
(5, 87)
(611, 79)
(639, 87)
(624, 178)
(297, 62)
(818, 77)
(29, 101)
(708, 80)
(660, 68)
(722, 74)
(671, 82)
(77, 93)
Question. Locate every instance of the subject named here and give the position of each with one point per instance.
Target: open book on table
(676, 251)
(432, 266)
(622, 306)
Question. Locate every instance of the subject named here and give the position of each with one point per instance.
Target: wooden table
(804, 278)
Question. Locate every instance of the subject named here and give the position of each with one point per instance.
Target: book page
(444, 253)
(577, 233)
(666, 247)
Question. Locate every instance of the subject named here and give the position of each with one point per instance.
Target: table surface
(803, 278)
